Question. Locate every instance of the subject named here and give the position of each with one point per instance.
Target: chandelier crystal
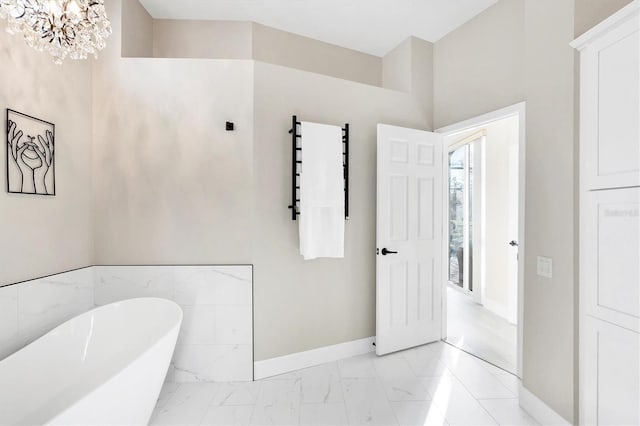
(64, 28)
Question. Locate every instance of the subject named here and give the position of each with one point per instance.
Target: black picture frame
(31, 152)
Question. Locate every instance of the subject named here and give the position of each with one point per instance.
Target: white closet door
(610, 108)
(610, 251)
(610, 220)
(610, 374)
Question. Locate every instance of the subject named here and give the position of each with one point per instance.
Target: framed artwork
(30, 155)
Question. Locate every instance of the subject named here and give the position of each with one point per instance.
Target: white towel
(321, 220)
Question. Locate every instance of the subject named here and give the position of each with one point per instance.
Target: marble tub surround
(105, 366)
(435, 384)
(216, 339)
(30, 309)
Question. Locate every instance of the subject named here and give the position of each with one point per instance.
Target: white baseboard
(540, 411)
(300, 360)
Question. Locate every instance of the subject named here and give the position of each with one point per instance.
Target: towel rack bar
(346, 170)
(295, 173)
(294, 167)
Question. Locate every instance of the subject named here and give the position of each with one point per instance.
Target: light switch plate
(545, 267)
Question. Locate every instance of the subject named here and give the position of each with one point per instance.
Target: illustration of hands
(44, 150)
(16, 150)
(32, 159)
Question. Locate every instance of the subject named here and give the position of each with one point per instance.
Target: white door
(514, 256)
(409, 238)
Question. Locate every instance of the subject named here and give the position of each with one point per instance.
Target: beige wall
(549, 316)
(47, 235)
(170, 184)
(202, 39)
(409, 68)
(588, 13)
(479, 67)
(137, 30)
(291, 50)
(302, 305)
(518, 50)
(145, 37)
(422, 67)
(396, 68)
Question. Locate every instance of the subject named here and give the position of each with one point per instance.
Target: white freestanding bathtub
(106, 366)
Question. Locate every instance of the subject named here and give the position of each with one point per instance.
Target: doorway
(484, 231)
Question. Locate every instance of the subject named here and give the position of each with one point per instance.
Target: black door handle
(386, 252)
(513, 243)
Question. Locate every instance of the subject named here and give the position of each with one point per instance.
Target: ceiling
(370, 26)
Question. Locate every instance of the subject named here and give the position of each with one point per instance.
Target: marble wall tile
(232, 363)
(234, 325)
(233, 285)
(199, 325)
(8, 320)
(213, 363)
(31, 309)
(216, 338)
(115, 283)
(48, 302)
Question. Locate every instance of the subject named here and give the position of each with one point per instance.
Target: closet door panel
(610, 370)
(611, 109)
(610, 273)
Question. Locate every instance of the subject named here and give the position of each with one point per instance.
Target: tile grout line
(210, 403)
(455, 376)
(344, 399)
(472, 396)
(380, 381)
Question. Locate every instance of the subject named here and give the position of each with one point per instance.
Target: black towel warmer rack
(296, 167)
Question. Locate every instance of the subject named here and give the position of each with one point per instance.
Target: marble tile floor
(435, 384)
(476, 330)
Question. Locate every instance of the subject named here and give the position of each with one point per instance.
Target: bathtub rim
(94, 386)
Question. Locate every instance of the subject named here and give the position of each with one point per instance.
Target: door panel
(610, 109)
(610, 253)
(398, 207)
(409, 222)
(610, 368)
(425, 209)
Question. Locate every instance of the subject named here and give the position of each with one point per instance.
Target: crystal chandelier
(64, 28)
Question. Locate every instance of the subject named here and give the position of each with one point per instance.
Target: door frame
(518, 110)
